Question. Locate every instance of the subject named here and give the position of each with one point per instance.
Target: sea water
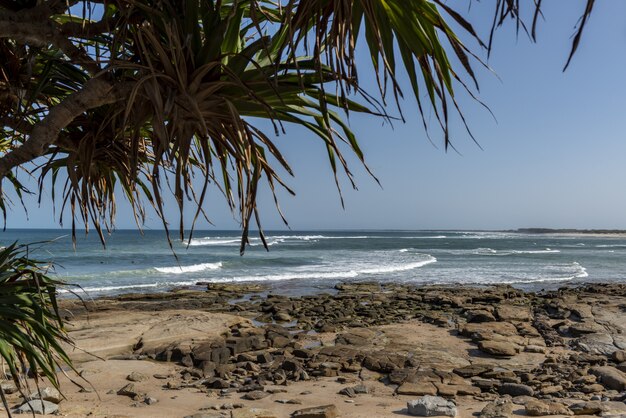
(314, 261)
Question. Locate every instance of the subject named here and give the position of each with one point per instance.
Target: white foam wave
(189, 269)
(196, 242)
(404, 267)
(610, 245)
(403, 250)
(128, 286)
(546, 251)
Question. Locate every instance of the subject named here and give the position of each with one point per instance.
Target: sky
(555, 155)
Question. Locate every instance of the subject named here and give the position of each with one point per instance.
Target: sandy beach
(364, 351)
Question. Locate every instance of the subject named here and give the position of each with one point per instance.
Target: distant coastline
(570, 231)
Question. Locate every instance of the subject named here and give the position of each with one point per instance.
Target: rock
(498, 348)
(252, 413)
(8, 387)
(480, 315)
(537, 408)
(417, 389)
(37, 406)
(586, 408)
(619, 356)
(128, 390)
(47, 394)
(431, 406)
(610, 377)
(535, 349)
(137, 377)
(515, 389)
(599, 343)
(472, 370)
(508, 312)
(150, 400)
(255, 395)
(500, 408)
(326, 411)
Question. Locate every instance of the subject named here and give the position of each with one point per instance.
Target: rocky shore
(364, 350)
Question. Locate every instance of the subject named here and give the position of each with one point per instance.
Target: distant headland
(568, 231)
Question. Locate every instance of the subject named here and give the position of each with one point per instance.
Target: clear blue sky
(556, 156)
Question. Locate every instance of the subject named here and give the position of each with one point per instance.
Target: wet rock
(537, 408)
(610, 377)
(326, 411)
(498, 348)
(431, 406)
(514, 389)
(500, 408)
(37, 406)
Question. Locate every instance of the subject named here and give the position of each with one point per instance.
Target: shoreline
(369, 348)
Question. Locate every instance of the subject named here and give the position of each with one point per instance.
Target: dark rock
(472, 370)
(514, 389)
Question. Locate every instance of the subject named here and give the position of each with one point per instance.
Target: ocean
(314, 261)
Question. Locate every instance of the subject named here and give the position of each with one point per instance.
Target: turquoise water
(302, 262)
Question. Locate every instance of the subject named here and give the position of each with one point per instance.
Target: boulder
(37, 406)
(610, 377)
(431, 406)
(326, 411)
(515, 389)
(498, 348)
(537, 408)
(586, 408)
(508, 312)
(500, 408)
(47, 394)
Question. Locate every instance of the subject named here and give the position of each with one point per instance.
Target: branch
(96, 92)
(34, 27)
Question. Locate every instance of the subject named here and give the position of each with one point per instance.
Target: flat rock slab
(326, 411)
(108, 333)
(252, 413)
(537, 408)
(38, 407)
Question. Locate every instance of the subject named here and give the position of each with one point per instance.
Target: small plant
(31, 328)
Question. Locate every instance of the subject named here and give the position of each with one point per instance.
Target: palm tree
(99, 97)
